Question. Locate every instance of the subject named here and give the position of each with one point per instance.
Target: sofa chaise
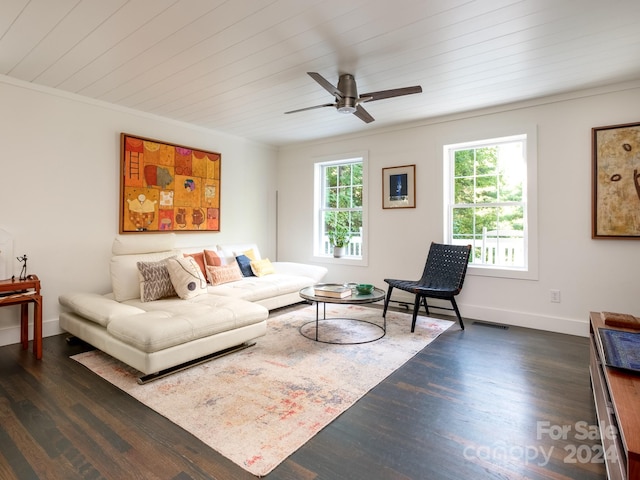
(170, 307)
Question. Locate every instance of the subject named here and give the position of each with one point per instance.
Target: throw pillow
(186, 277)
(212, 259)
(244, 263)
(262, 267)
(249, 253)
(199, 258)
(224, 274)
(155, 282)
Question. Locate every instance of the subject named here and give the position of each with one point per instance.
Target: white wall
(59, 186)
(591, 274)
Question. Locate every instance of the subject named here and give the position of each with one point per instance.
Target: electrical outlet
(555, 296)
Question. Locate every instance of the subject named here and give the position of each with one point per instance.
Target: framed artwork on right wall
(616, 181)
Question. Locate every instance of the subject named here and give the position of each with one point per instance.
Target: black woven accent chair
(442, 278)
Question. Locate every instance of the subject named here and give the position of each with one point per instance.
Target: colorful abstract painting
(168, 188)
(616, 181)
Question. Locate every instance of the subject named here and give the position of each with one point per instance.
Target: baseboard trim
(11, 335)
(548, 323)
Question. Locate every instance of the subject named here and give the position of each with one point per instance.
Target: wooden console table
(617, 398)
(23, 292)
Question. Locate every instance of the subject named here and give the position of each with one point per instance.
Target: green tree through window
(487, 203)
(341, 205)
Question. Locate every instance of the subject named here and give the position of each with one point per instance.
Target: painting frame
(403, 192)
(615, 208)
(167, 187)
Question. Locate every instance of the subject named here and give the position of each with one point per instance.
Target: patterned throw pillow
(186, 277)
(262, 267)
(224, 274)
(155, 282)
(244, 263)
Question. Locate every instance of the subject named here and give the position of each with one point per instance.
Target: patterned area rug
(258, 406)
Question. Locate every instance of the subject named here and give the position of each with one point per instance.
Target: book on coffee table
(333, 291)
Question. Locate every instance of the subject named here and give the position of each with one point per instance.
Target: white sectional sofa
(160, 334)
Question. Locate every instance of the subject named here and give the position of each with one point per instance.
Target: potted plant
(339, 238)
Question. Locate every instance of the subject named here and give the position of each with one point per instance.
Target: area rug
(258, 406)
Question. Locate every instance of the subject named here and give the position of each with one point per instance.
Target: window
(487, 203)
(340, 204)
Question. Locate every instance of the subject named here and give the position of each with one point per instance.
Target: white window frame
(319, 163)
(530, 190)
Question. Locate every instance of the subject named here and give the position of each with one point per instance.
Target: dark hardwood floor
(486, 403)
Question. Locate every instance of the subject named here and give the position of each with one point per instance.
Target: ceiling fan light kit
(346, 96)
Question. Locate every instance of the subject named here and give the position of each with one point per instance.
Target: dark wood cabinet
(617, 399)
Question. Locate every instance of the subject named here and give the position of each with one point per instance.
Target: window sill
(353, 261)
(496, 272)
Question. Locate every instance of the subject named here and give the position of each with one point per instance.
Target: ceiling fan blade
(363, 115)
(312, 108)
(324, 83)
(396, 92)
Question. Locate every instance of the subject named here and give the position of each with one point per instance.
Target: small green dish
(364, 288)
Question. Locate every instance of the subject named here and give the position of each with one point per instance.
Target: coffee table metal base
(318, 320)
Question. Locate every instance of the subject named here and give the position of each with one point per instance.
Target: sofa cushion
(131, 245)
(125, 280)
(262, 267)
(244, 263)
(224, 274)
(255, 289)
(186, 277)
(155, 282)
(174, 321)
(97, 308)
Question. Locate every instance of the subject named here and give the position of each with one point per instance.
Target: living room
(65, 152)
(61, 183)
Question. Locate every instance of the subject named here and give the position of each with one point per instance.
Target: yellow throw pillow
(249, 253)
(262, 267)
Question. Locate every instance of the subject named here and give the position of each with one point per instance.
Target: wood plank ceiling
(237, 65)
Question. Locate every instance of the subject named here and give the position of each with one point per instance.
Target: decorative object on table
(616, 181)
(333, 291)
(399, 187)
(168, 188)
(23, 271)
(364, 288)
(442, 278)
(258, 406)
(621, 320)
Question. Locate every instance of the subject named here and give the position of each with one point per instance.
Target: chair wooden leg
(455, 308)
(386, 301)
(416, 307)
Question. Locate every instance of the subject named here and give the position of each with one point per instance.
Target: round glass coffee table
(308, 293)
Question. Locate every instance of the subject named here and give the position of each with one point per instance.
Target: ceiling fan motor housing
(347, 85)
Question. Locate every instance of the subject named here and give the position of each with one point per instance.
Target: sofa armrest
(97, 308)
(314, 272)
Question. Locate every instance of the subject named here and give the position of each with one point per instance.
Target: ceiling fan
(347, 99)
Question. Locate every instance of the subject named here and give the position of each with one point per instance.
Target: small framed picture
(399, 187)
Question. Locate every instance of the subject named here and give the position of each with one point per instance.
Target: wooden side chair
(442, 278)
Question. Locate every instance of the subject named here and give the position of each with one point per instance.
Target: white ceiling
(237, 65)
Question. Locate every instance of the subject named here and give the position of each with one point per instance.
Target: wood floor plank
(470, 405)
